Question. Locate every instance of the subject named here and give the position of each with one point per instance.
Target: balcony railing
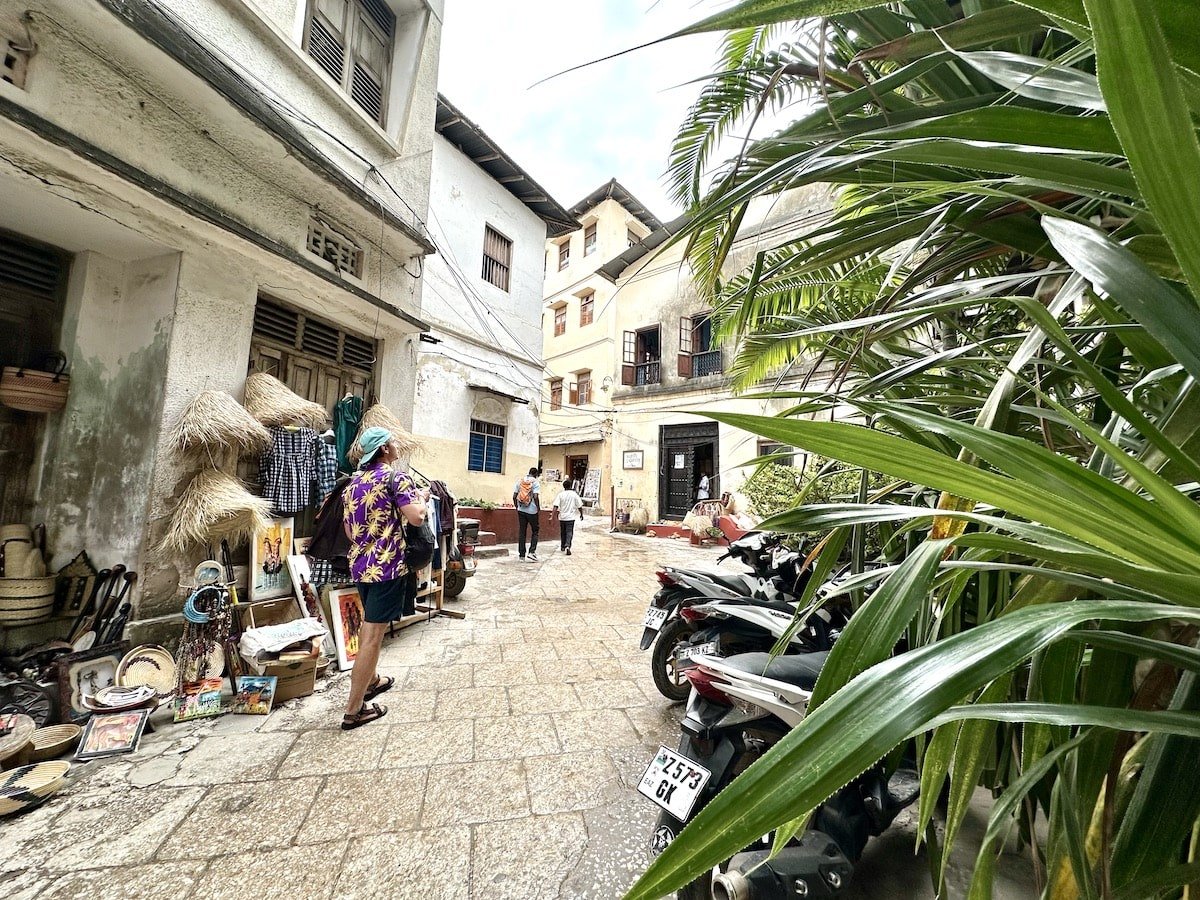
(647, 373)
(707, 363)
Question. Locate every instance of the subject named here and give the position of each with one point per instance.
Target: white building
(190, 189)
(479, 380)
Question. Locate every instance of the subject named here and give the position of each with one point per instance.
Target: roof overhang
(614, 190)
(474, 143)
(614, 267)
(488, 389)
(561, 436)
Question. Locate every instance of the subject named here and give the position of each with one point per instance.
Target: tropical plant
(1007, 296)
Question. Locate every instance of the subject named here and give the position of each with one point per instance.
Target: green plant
(1007, 293)
(481, 504)
(772, 489)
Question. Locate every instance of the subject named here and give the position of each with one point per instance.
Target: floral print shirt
(372, 501)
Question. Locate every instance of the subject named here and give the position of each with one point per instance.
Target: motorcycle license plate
(709, 648)
(673, 782)
(655, 618)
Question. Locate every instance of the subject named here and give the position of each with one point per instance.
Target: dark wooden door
(676, 465)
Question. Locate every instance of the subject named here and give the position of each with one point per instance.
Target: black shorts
(383, 601)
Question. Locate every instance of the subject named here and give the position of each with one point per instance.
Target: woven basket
(26, 601)
(31, 390)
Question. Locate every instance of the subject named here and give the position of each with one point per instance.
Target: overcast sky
(573, 133)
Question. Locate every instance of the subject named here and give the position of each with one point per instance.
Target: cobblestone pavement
(504, 769)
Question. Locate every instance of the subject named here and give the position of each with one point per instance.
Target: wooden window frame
(497, 270)
(346, 36)
(564, 255)
(631, 237)
(556, 393)
(583, 385)
(590, 239)
(587, 305)
(560, 320)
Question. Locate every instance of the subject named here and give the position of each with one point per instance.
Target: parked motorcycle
(738, 709)
(776, 577)
(460, 562)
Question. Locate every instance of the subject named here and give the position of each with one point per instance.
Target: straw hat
(379, 416)
(215, 422)
(215, 506)
(271, 402)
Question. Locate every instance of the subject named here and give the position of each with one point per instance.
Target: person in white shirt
(703, 491)
(567, 506)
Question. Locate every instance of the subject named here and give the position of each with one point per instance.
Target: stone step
(487, 539)
(490, 552)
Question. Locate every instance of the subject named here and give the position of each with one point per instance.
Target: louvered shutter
(327, 37)
(475, 454)
(368, 69)
(629, 358)
(686, 345)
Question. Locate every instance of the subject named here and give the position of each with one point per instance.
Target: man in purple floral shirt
(377, 502)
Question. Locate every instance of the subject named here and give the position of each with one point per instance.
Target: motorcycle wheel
(662, 661)
(455, 582)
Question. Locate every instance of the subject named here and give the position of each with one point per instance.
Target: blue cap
(370, 441)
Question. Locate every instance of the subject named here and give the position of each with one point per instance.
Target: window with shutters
(556, 391)
(587, 303)
(631, 237)
(642, 357)
(486, 450)
(560, 321)
(564, 255)
(698, 353)
(589, 239)
(497, 258)
(351, 40)
(584, 386)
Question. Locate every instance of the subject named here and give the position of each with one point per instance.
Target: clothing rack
(434, 592)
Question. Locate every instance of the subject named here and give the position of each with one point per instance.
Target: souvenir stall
(259, 609)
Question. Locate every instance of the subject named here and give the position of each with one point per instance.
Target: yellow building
(650, 360)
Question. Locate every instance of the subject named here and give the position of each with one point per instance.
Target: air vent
(358, 353)
(380, 15)
(14, 62)
(335, 247)
(39, 271)
(326, 49)
(276, 322)
(367, 92)
(320, 339)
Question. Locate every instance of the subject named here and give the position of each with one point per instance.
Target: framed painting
(83, 674)
(107, 734)
(307, 597)
(268, 573)
(346, 606)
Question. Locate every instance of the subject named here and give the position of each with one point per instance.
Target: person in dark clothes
(528, 503)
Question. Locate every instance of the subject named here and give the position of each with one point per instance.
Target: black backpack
(329, 540)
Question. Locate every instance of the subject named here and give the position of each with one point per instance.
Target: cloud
(573, 133)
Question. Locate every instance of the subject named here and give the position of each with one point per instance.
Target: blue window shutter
(495, 455)
(475, 453)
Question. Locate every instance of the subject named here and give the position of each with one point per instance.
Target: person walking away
(567, 506)
(377, 502)
(527, 502)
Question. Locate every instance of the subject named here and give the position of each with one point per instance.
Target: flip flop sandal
(385, 683)
(363, 716)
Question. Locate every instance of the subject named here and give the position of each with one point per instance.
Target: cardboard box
(296, 679)
(267, 612)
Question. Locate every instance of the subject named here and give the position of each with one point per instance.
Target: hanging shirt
(288, 469)
(372, 504)
(326, 468)
(347, 417)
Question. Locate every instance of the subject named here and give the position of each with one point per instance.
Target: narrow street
(505, 767)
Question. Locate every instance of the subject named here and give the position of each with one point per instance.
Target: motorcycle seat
(800, 669)
(733, 580)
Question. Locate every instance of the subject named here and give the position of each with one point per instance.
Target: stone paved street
(504, 769)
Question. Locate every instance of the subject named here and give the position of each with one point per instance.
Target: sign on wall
(632, 459)
(591, 485)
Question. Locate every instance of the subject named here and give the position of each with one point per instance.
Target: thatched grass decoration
(215, 423)
(700, 525)
(379, 416)
(214, 506)
(271, 402)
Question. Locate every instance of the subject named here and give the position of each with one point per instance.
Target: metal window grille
(589, 239)
(486, 450)
(13, 62)
(556, 392)
(586, 308)
(585, 388)
(564, 255)
(352, 41)
(560, 321)
(335, 247)
(497, 258)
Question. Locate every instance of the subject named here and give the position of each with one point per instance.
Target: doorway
(685, 453)
(576, 469)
